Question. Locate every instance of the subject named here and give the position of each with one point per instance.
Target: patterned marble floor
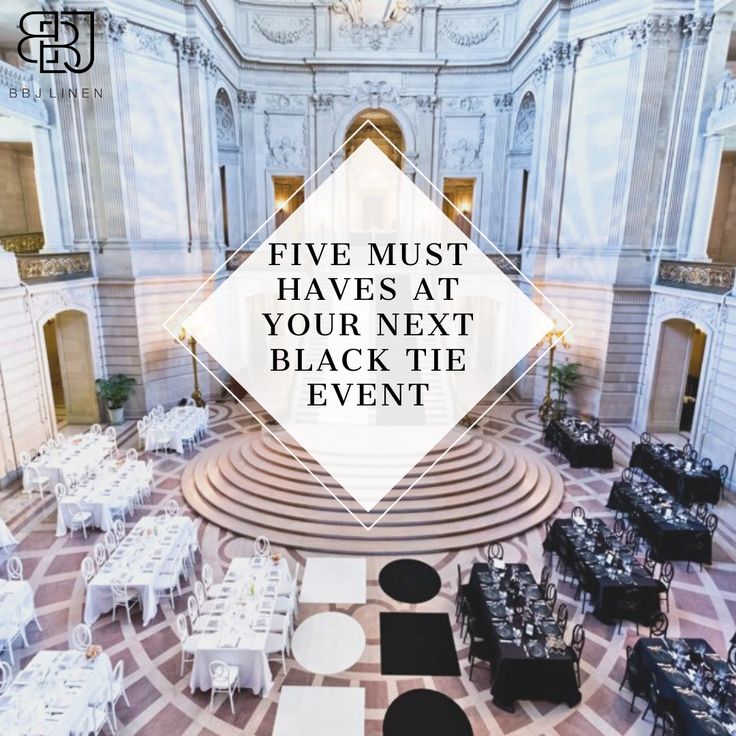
(703, 604)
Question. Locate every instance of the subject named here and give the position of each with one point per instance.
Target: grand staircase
(482, 490)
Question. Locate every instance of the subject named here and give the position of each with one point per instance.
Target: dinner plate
(491, 594)
(535, 650)
(550, 628)
(504, 631)
(661, 655)
(678, 678)
(533, 594)
(712, 727)
(498, 610)
(694, 701)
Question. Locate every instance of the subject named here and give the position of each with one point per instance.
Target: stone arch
(523, 141)
(226, 130)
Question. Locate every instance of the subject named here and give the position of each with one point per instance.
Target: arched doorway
(70, 369)
(386, 124)
(522, 147)
(676, 379)
(228, 157)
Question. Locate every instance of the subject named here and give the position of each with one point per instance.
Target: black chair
(576, 644)
(550, 596)
(666, 573)
(620, 527)
(627, 475)
(706, 463)
(544, 577)
(723, 473)
(658, 625)
(687, 448)
(494, 551)
(645, 438)
(633, 678)
(462, 608)
(578, 513)
(669, 724)
(711, 521)
(656, 704)
(701, 511)
(628, 608)
(480, 648)
(649, 564)
(609, 438)
(595, 424)
(732, 659)
(632, 540)
(562, 617)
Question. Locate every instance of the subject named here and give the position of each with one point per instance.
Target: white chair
(131, 454)
(117, 690)
(96, 717)
(60, 491)
(112, 437)
(79, 518)
(25, 459)
(6, 676)
(61, 439)
(278, 644)
(95, 429)
(88, 570)
(34, 481)
(193, 610)
(171, 508)
(121, 596)
(261, 547)
(168, 581)
(211, 589)
(12, 628)
(191, 402)
(188, 643)
(100, 555)
(194, 547)
(224, 678)
(14, 567)
(142, 426)
(118, 528)
(289, 603)
(81, 638)
(111, 541)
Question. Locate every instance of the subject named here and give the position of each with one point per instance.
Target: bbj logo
(56, 31)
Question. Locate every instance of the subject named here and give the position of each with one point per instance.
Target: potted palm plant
(115, 390)
(565, 377)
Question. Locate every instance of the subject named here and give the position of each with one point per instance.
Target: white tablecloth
(16, 596)
(138, 561)
(71, 460)
(7, 540)
(111, 488)
(235, 631)
(178, 424)
(50, 696)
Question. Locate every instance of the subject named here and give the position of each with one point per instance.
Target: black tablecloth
(580, 454)
(613, 597)
(682, 537)
(517, 674)
(654, 656)
(696, 486)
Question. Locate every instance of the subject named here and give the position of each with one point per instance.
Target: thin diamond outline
(415, 168)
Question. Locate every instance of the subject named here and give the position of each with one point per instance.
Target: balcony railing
(22, 243)
(37, 267)
(717, 278)
(498, 260)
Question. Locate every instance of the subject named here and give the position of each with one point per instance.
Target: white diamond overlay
(368, 449)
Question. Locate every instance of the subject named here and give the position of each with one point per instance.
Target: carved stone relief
(286, 140)
(461, 142)
(225, 119)
(471, 32)
(283, 31)
(525, 121)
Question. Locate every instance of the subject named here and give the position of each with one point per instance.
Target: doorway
(677, 374)
(459, 192)
(70, 369)
(288, 196)
(386, 124)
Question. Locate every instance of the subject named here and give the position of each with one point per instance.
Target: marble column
(710, 169)
(322, 108)
(49, 203)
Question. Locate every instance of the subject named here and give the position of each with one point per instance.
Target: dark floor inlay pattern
(410, 581)
(425, 713)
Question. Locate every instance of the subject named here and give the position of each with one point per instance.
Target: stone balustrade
(36, 267)
(717, 278)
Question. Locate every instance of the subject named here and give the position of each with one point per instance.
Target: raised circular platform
(482, 490)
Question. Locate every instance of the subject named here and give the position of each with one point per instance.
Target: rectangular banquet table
(16, 599)
(679, 666)
(237, 623)
(524, 668)
(177, 425)
(614, 593)
(7, 541)
(582, 447)
(71, 460)
(151, 544)
(669, 469)
(677, 535)
(51, 695)
(103, 495)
